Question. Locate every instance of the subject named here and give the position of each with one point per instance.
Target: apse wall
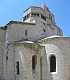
(58, 57)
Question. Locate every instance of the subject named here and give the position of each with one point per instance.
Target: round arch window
(52, 63)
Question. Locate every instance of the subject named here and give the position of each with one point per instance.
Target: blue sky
(13, 10)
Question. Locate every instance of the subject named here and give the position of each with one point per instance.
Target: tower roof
(33, 7)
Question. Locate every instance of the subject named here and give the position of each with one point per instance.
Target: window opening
(26, 32)
(52, 63)
(35, 14)
(17, 67)
(34, 62)
(43, 17)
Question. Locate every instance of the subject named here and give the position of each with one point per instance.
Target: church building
(35, 48)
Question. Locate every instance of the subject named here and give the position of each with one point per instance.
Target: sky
(13, 10)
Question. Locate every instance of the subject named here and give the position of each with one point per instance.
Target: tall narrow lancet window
(34, 62)
(26, 32)
(52, 63)
(17, 67)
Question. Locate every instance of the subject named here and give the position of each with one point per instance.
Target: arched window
(52, 63)
(34, 62)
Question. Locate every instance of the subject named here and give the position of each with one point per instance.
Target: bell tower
(34, 14)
